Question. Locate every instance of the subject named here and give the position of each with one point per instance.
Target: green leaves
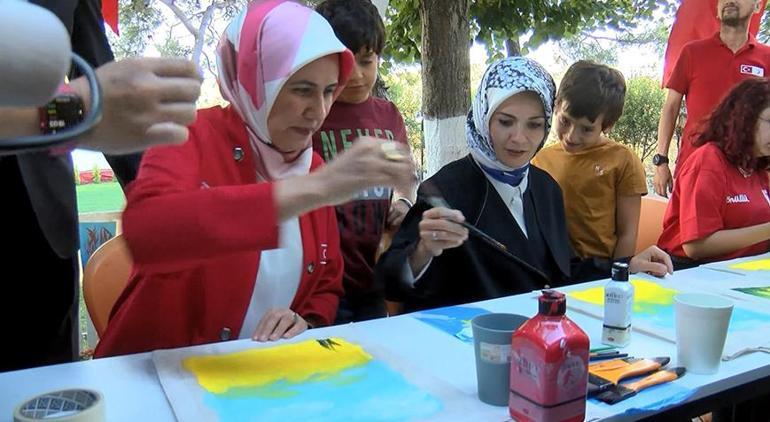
(638, 127)
(532, 22)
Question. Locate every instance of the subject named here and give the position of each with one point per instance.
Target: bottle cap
(552, 303)
(620, 271)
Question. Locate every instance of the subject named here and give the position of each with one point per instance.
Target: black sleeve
(88, 37)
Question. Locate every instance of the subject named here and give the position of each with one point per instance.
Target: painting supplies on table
(618, 307)
(623, 391)
(603, 375)
(549, 360)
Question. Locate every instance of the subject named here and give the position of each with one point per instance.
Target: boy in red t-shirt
(356, 113)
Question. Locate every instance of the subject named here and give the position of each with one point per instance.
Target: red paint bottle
(549, 365)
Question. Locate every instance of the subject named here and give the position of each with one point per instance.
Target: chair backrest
(104, 278)
(650, 221)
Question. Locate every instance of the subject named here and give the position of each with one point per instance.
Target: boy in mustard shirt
(602, 181)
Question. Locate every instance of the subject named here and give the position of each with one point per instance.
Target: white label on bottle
(618, 309)
(495, 353)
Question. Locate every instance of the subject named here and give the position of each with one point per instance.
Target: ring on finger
(294, 318)
(390, 149)
(434, 235)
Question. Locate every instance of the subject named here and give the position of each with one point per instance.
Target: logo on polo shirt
(741, 198)
(747, 69)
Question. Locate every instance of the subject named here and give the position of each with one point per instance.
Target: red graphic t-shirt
(362, 220)
(710, 195)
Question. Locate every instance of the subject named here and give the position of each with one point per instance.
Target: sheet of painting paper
(654, 309)
(453, 320)
(312, 380)
(752, 266)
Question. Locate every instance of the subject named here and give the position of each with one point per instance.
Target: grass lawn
(100, 197)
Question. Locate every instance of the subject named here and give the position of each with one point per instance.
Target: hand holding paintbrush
(440, 228)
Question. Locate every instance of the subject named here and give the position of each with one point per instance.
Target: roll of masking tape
(62, 406)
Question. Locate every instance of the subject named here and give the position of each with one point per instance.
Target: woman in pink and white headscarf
(231, 233)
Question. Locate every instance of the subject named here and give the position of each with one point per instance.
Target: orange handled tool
(603, 375)
(623, 391)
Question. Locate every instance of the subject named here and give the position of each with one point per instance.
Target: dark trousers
(39, 294)
(360, 308)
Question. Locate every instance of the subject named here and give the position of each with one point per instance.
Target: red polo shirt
(710, 195)
(705, 72)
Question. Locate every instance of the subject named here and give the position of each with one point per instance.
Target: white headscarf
(502, 80)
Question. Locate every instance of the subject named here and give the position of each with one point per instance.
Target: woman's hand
(439, 230)
(279, 323)
(370, 162)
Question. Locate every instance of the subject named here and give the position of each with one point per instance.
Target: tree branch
(633, 41)
(200, 36)
(181, 16)
(208, 65)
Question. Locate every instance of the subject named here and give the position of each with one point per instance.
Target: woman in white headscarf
(231, 233)
(433, 262)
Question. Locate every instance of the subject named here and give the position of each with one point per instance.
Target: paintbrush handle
(614, 374)
(473, 229)
(657, 378)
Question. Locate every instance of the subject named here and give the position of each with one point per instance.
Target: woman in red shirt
(720, 206)
(231, 233)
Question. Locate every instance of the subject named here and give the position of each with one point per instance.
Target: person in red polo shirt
(704, 73)
(720, 206)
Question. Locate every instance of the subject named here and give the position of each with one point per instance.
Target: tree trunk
(445, 80)
(512, 47)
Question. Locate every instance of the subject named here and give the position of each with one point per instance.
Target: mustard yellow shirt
(591, 181)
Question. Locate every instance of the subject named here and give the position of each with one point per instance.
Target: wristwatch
(63, 112)
(659, 159)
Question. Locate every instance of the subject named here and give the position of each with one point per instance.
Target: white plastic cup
(701, 329)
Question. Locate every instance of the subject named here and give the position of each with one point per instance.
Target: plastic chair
(650, 221)
(104, 278)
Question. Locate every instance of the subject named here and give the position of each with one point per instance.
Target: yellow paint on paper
(758, 265)
(646, 294)
(593, 295)
(293, 363)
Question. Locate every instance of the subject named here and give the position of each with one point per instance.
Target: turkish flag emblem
(747, 69)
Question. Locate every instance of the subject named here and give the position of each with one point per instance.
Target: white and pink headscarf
(259, 51)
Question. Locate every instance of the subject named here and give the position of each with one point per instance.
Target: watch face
(64, 111)
(658, 159)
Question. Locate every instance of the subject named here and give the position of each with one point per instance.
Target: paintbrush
(437, 201)
(603, 375)
(621, 392)
(608, 354)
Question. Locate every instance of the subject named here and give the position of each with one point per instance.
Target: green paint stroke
(763, 292)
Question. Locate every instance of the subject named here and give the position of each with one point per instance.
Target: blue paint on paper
(453, 320)
(372, 392)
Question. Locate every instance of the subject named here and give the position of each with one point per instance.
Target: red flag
(696, 19)
(110, 14)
